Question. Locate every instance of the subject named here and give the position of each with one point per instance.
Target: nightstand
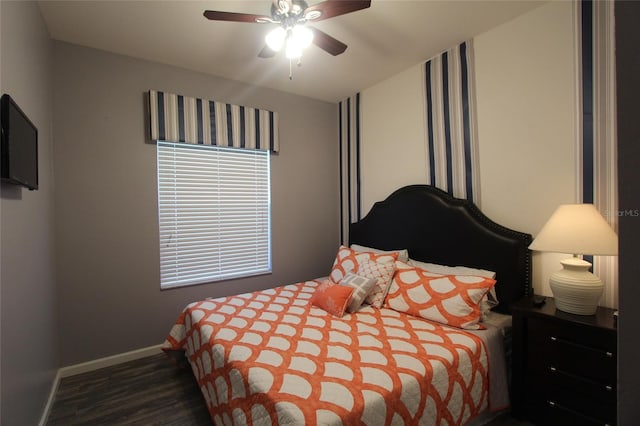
(563, 365)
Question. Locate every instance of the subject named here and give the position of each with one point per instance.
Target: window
(214, 213)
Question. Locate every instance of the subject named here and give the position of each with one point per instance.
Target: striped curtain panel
(597, 129)
(177, 118)
(350, 198)
(452, 152)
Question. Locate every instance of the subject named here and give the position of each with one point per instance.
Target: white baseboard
(108, 361)
(52, 395)
(96, 364)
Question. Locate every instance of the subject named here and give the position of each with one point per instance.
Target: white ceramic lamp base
(575, 289)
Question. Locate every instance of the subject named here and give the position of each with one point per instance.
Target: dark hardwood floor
(147, 391)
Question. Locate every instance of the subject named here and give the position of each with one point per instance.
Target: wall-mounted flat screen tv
(19, 145)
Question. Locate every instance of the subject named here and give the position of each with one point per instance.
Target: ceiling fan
(292, 34)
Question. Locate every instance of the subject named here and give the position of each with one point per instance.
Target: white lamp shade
(577, 229)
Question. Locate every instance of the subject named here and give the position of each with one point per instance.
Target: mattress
(270, 357)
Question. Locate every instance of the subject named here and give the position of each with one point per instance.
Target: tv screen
(19, 145)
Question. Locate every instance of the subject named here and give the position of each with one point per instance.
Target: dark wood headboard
(438, 228)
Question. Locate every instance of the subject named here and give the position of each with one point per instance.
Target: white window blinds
(214, 213)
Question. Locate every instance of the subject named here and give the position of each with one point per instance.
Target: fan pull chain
(299, 63)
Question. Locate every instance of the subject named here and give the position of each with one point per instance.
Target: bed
(298, 354)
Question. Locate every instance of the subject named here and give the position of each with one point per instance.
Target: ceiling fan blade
(327, 43)
(235, 17)
(267, 52)
(330, 8)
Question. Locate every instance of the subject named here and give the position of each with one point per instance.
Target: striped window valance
(177, 118)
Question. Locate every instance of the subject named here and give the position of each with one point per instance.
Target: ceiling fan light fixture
(283, 6)
(312, 14)
(302, 36)
(298, 39)
(291, 16)
(293, 50)
(275, 38)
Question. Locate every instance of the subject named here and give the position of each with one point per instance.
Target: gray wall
(27, 289)
(627, 71)
(109, 296)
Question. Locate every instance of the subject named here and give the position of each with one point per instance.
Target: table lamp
(577, 229)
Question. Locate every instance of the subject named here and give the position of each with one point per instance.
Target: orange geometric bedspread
(270, 357)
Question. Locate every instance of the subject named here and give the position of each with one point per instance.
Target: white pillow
(403, 254)
(489, 301)
(451, 270)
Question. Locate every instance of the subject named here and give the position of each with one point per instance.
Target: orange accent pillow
(331, 297)
(448, 299)
(348, 260)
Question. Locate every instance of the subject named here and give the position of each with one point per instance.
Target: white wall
(526, 97)
(393, 153)
(27, 292)
(525, 80)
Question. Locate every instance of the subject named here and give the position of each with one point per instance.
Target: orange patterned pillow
(331, 297)
(348, 260)
(448, 299)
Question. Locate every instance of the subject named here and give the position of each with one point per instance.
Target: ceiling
(389, 37)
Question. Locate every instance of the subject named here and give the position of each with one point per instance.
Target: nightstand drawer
(586, 353)
(554, 413)
(584, 397)
(593, 339)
